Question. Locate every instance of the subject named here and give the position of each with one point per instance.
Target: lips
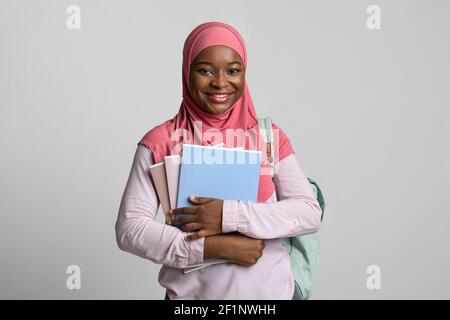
(218, 97)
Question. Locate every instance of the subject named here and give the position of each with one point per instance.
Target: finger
(186, 218)
(184, 210)
(189, 227)
(200, 200)
(191, 237)
(197, 235)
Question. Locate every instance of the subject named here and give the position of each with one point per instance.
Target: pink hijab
(167, 138)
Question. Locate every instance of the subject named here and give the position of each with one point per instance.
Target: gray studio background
(367, 112)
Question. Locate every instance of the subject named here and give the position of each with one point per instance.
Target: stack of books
(206, 171)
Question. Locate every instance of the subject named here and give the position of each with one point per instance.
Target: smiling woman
(246, 234)
(216, 79)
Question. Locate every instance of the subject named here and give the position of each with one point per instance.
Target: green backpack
(304, 250)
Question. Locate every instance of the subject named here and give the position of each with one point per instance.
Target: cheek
(198, 84)
(195, 86)
(240, 85)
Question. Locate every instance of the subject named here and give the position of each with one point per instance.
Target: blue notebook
(217, 172)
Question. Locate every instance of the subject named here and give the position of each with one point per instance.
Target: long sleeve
(296, 212)
(137, 231)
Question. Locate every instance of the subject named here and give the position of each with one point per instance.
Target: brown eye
(234, 71)
(205, 72)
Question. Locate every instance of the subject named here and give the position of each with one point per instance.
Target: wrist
(215, 248)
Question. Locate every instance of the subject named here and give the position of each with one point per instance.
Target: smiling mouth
(218, 97)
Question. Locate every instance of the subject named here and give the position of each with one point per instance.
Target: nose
(220, 80)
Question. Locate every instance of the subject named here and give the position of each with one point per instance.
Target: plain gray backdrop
(367, 112)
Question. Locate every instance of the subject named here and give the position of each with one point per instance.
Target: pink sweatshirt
(292, 210)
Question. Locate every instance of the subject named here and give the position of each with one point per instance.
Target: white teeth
(218, 95)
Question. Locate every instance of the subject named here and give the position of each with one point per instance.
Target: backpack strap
(265, 130)
(319, 195)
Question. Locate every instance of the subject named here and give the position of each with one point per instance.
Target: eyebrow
(204, 62)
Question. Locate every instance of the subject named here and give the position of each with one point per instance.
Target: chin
(221, 110)
(216, 110)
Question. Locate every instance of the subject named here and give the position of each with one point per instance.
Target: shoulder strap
(265, 129)
(319, 195)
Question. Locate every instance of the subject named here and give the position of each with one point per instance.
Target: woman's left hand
(205, 217)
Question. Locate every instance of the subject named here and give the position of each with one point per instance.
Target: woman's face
(216, 79)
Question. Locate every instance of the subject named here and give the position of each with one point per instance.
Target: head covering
(191, 122)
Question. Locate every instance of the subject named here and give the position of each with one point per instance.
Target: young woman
(247, 234)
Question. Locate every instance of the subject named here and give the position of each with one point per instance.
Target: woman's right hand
(234, 247)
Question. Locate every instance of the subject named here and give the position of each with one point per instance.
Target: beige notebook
(158, 173)
(172, 166)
